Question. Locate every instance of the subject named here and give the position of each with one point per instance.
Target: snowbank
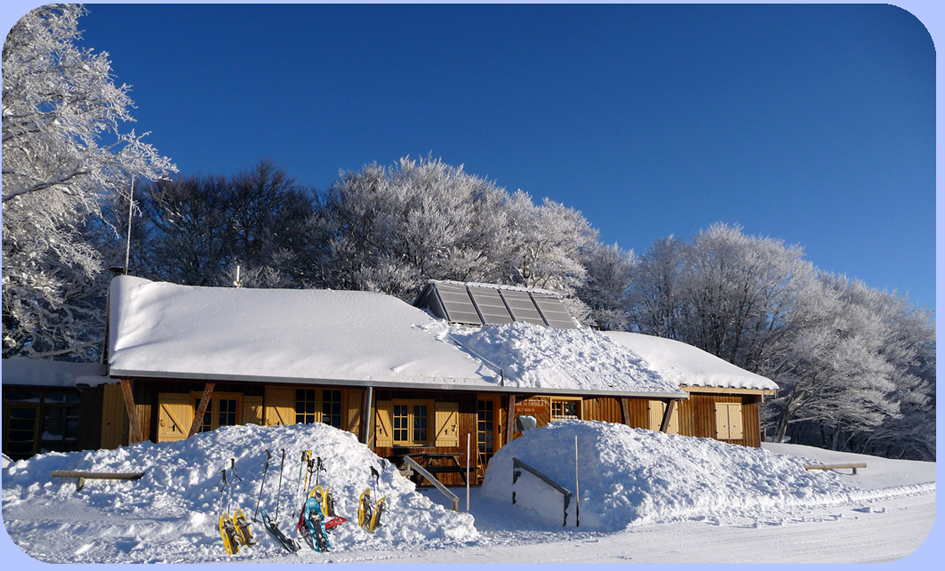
(174, 509)
(532, 356)
(631, 476)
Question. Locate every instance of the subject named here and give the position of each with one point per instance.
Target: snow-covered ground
(645, 497)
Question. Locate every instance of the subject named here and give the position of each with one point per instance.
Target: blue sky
(814, 124)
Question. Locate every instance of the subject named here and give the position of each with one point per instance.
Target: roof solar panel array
(522, 307)
(554, 312)
(495, 305)
(491, 306)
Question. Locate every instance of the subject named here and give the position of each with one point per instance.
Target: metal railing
(518, 466)
(412, 465)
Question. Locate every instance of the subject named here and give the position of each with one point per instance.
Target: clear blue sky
(814, 124)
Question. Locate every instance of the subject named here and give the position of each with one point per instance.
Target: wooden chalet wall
(697, 416)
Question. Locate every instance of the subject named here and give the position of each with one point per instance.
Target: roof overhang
(445, 385)
(729, 390)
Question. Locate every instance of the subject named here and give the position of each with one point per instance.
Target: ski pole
(306, 454)
(223, 489)
(262, 485)
(279, 489)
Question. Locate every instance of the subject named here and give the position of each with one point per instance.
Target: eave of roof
(391, 384)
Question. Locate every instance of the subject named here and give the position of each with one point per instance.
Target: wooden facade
(430, 421)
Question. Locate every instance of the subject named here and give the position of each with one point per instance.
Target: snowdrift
(532, 356)
(631, 476)
(179, 498)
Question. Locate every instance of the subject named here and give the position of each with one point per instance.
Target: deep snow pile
(532, 356)
(631, 476)
(177, 503)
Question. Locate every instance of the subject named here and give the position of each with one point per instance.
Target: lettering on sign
(531, 406)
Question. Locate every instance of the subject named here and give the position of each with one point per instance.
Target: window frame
(563, 401)
(412, 438)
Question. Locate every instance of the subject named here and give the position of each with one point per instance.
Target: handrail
(516, 463)
(412, 464)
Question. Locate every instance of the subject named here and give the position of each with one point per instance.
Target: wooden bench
(853, 466)
(81, 476)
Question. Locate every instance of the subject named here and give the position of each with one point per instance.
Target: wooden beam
(510, 421)
(201, 409)
(625, 406)
(132, 412)
(667, 415)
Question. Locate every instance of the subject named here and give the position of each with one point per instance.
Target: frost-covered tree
(64, 151)
(609, 273)
(654, 298)
(856, 371)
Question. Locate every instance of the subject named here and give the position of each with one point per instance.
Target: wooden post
(368, 423)
(129, 398)
(201, 409)
(625, 405)
(668, 415)
(510, 423)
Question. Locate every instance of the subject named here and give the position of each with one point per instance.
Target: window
(39, 421)
(305, 406)
(222, 410)
(331, 407)
(318, 405)
(562, 409)
(411, 421)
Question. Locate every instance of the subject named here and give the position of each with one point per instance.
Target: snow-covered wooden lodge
(466, 361)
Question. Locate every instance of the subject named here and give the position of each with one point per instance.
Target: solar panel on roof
(556, 314)
(490, 305)
(459, 307)
(522, 306)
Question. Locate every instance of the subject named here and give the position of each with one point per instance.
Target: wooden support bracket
(201, 409)
(668, 415)
(129, 398)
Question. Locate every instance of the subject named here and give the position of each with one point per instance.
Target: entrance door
(487, 428)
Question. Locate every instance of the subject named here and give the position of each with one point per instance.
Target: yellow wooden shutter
(175, 415)
(735, 422)
(280, 406)
(113, 417)
(447, 424)
(383, 423)
(656, 413)
(252, 410)
(354, 411)
(728, 421)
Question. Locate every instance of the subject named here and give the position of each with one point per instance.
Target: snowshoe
(315, 521)
(290, 545)
(229, 534)
(244, 534)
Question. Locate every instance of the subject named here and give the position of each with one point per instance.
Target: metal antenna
(131, 205)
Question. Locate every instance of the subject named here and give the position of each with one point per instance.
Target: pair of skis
(234, 530)
(369, 513)
(271, 524)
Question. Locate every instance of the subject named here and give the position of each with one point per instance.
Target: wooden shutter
(252, 410)
(175, 415)
(728, 421)
(657, 409)
(735, 422)
(113, 417)
(383, 424)
(280, 406)
(447, 424)
(354, 411)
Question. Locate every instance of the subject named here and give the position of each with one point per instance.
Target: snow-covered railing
(518, 466)
(412, 465)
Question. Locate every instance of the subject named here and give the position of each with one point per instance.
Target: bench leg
(79, 482)
(854, 470)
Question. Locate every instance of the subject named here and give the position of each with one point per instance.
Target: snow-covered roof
(42, 373)
(690, 366)
(162, 330)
